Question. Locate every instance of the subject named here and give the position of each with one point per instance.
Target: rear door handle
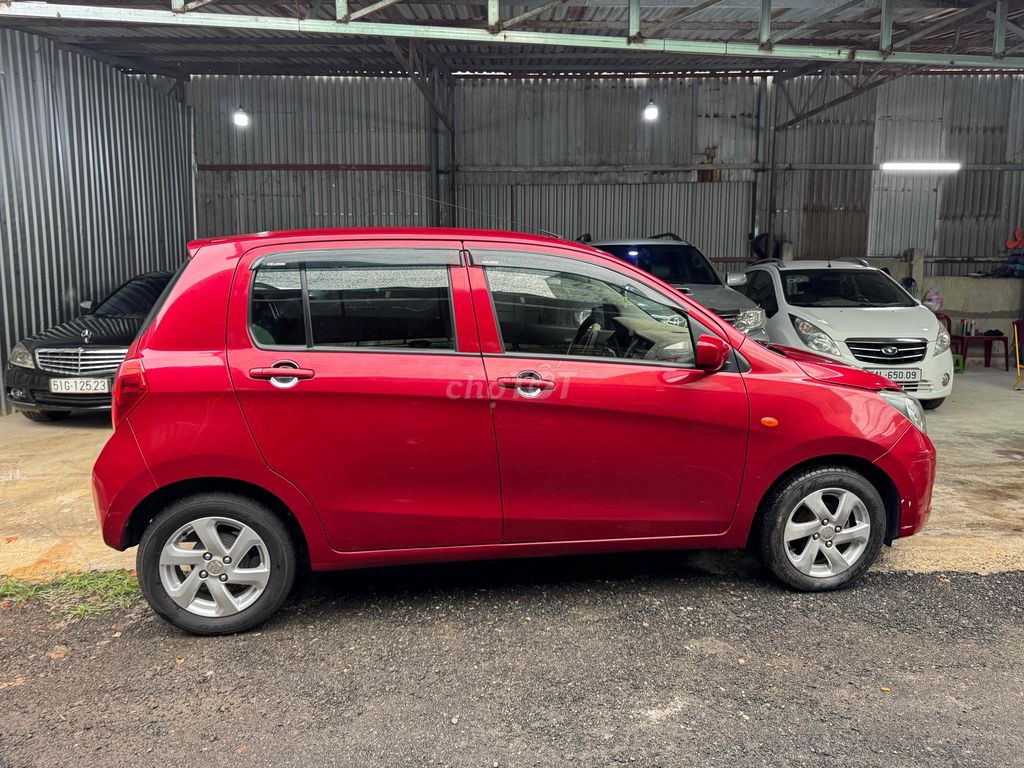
(281, 372)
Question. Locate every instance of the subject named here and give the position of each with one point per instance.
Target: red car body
(384, 458)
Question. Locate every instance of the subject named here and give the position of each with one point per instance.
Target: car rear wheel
(216, 563)
(822, 529)
(931, 405)
(46, 415)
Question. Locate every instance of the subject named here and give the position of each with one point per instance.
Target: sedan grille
(80, 361)
(888, 351)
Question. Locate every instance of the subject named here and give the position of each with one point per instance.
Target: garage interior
(130, 128)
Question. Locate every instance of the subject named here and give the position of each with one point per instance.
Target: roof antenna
(480, 213)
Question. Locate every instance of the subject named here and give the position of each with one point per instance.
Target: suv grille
(888, 351)
(729, 316)
(79, 361)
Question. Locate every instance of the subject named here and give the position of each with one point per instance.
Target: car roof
(811, 264)
(640, 241)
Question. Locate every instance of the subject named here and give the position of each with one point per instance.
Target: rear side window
(352, 305)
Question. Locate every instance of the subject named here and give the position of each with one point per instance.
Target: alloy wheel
(827, 532)
(214, 566)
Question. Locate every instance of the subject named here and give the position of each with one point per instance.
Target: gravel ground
(654, 660)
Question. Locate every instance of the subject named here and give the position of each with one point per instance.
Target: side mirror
(712, 353)
(735, 279)
(87, 306)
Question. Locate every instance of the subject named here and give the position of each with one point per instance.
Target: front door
(385, 424)
(605, 429)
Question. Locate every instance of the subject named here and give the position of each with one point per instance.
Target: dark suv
(70, 366)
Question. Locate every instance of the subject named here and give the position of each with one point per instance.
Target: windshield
(136, 297)
(842, 288)
(675, 263)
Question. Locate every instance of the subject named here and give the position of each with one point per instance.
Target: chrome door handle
(526, 383)
(283, 374)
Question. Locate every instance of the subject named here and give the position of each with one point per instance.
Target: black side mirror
(87, 306)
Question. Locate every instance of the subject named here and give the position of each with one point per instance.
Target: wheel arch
(150, 506)
(872, 473)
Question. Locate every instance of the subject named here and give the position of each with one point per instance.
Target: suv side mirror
(735, 279)
(712, 353)
(87, 306)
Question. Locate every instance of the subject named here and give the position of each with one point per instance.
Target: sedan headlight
(941, 341)
(21, 357)
(908, 406)
(749, 320)
(814, 338)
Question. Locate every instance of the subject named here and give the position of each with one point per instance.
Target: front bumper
(28, 389)
(910, 463)
(935, 369)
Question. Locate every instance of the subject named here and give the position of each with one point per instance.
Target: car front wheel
(822, 529)
(931, 405)
(216, 563)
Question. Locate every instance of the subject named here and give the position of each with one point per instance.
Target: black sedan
(71, 366)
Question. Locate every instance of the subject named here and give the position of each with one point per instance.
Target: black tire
(46, 415)
(279, 544)
(931, 405)
(770, 546)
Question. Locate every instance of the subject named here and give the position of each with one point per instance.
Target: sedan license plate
(899, 375)
(79, 386)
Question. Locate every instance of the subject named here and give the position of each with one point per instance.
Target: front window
(546, 312)
(136, 297)
(675, 263)
(842, 288)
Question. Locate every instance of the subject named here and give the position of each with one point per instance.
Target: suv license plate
(79, 386)
(899, 375)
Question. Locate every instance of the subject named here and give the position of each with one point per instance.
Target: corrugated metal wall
(571, 155)
(95, 183)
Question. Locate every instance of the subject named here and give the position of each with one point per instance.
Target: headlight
(941, 341)
(908, 406)
(749, 320)
(814, 338)
(21, 357)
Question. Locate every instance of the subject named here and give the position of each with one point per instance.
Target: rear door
(385, 424)
(620, 436)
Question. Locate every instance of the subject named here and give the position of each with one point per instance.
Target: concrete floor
(47, 524)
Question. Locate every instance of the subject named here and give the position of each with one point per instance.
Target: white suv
(856, 314)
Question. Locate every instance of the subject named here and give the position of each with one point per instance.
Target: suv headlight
(814, 338)
(749, 320)
(941, 342)
(21, 357)
(908, 406)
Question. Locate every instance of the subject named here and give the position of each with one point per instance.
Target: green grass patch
(75, 594)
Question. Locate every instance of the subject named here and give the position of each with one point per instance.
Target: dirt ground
(647, 661)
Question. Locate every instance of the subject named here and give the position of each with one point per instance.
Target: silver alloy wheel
(214, 566)
(827, 532)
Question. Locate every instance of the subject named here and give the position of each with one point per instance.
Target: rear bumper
(911, 465)
(120, 480)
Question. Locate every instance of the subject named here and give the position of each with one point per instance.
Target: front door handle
(526, 383)
(281, 372)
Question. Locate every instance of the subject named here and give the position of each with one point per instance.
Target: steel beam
(493, 15)
(527, 15)
(372, 8)
(859, 91)
(658, 27)
(950, 20)
(414, 67)
(17, 9)
(999, 33)
(633, 34)
(180, 6)
(341, 10)
(885, 34)
(792, 32)
(764, 30)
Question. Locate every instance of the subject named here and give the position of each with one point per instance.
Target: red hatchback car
(351, 398)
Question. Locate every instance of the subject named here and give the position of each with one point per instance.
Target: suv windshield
(675, 263)
(136, 297)
(842, 288)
